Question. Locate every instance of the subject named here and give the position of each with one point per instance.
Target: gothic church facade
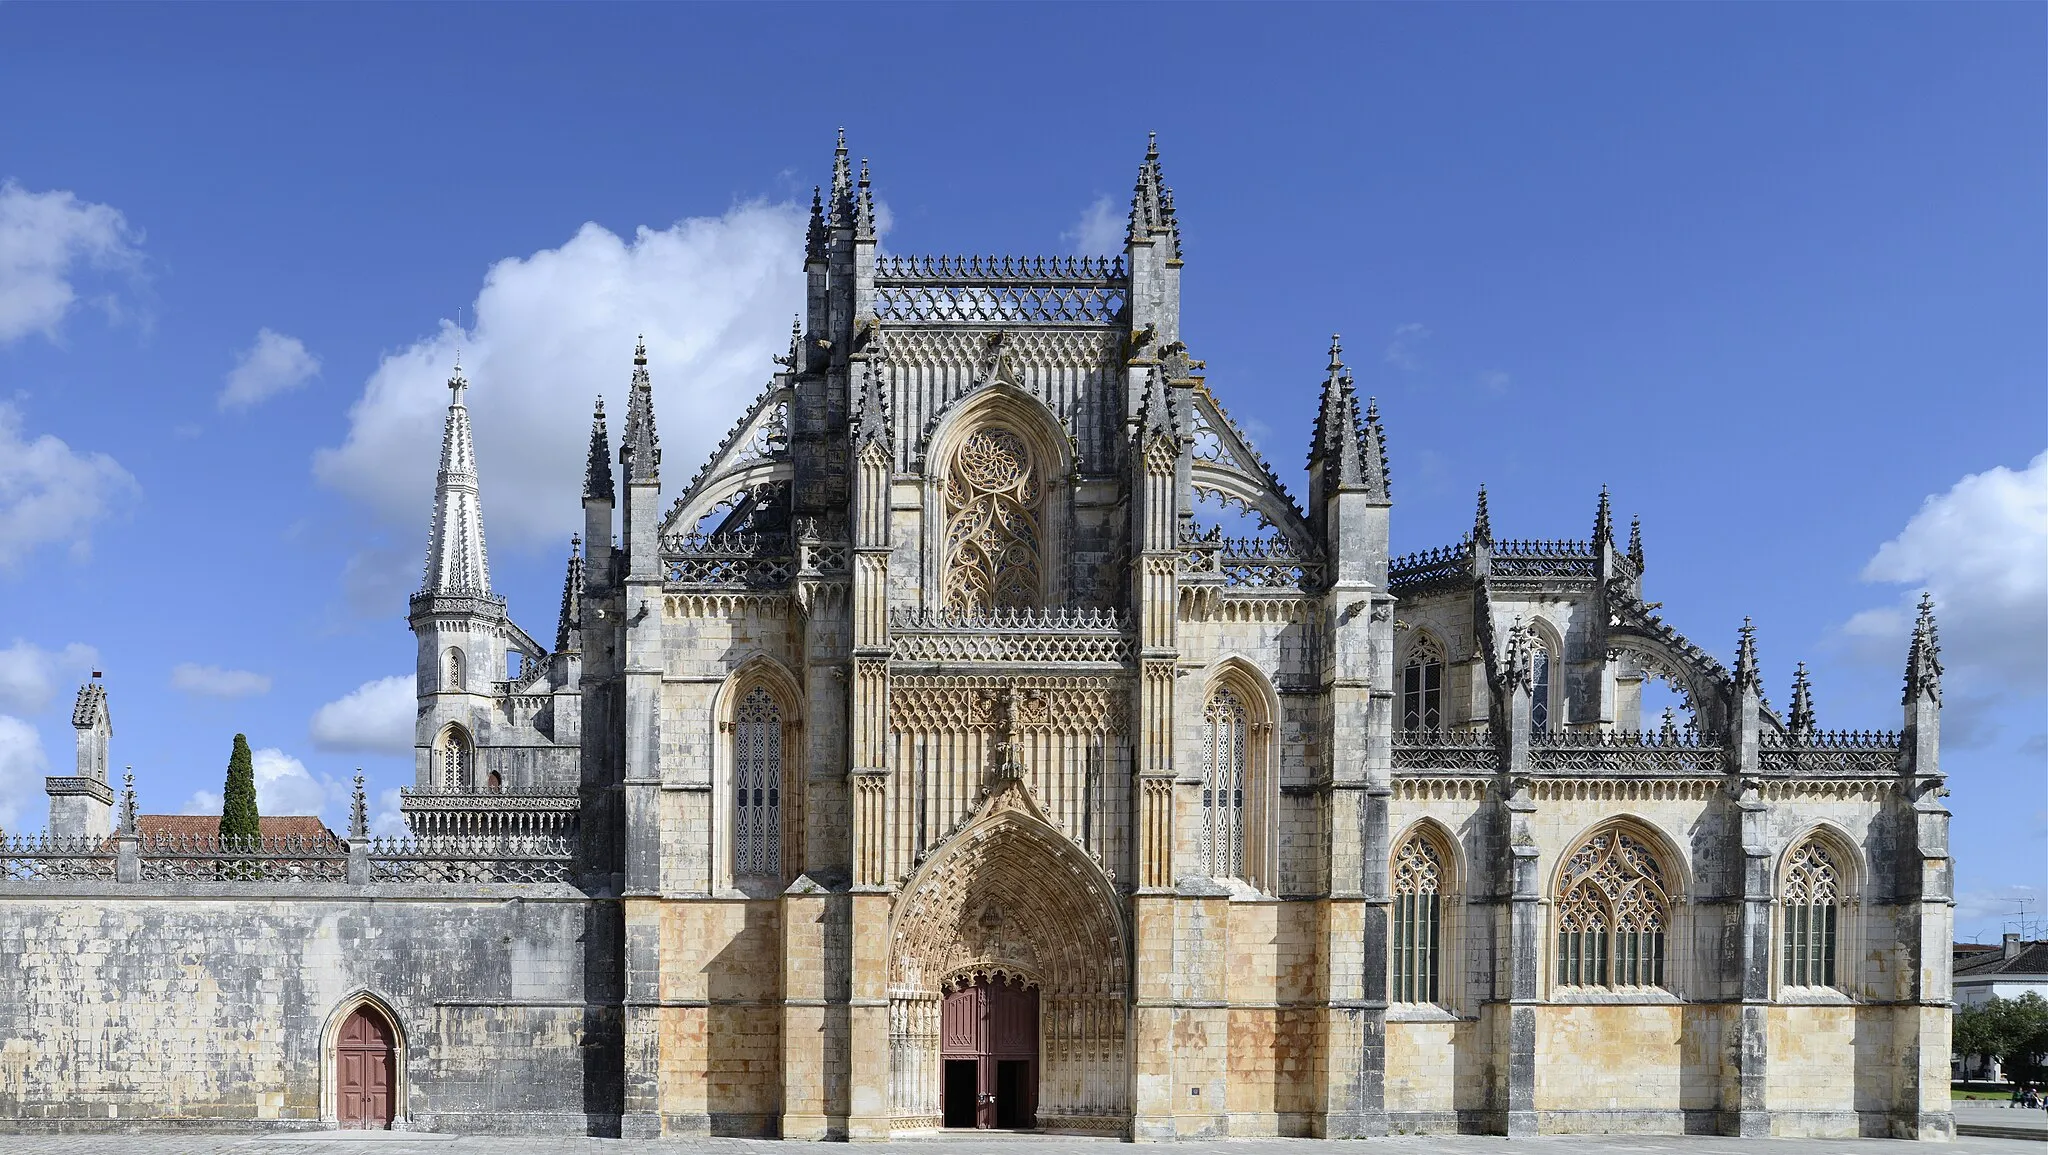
(932, 758)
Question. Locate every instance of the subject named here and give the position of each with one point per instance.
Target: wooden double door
(364, 1062)
(988, 1046)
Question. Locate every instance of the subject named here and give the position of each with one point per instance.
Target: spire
(639, 448)
(1923, 661)
(1603, 521)
(456, 561)
(569, 627)
(871, 412)
(1378, 481)
(864, 206)
(1801, 719)
(1747, 676)
(1482, 522)
(842, 186)
(1152, 202)
(1635, 543)
(814, 237)
(1337, 445)
(597, 478)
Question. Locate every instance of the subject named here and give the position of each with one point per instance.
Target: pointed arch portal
(1014, 917)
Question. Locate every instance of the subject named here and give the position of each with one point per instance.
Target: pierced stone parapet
(1430, 568)
(1249, 563)
(1661, 753)
(470, 860)
(743, 560)
(441, 813)
(1002, 290)
(215, 858)
(1452, 750)
(55, 857)
(1831, 753)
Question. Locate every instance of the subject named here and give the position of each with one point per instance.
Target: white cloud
(376, 717)
(1982, 914)
(1099, 231)
(1982, 550)
(30, 676)
(45, 239)
(49, 493)
(283, 787)
(272, 365)
(21, 766)
(214, 682)
(1404, 348)
(714, 297)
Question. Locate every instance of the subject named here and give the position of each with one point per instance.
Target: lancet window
(1613, 914)
(1539, 687)
(1812, 901)
(1422, 687)
(458, 760)
(994, 531)
(1226, 748)
(1419, 878)
(452, 663)
(757, 783)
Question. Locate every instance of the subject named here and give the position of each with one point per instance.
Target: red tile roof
(154, 826)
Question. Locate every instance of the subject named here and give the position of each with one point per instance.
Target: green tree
(238, 818)
(2013, 1031)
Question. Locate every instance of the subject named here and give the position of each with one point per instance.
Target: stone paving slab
(341, 1143)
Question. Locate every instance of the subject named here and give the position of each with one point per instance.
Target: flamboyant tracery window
(1422, 687)
(1419, 877)
(1813, 888)
(1613, 914)
(1539, 687)
(757, 783)
(1226, 725)
(458, 760)
(993, 530)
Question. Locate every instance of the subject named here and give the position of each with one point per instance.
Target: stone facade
(943, 673)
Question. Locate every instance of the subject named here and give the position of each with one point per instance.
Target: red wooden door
(363, 1060)
(995, 1027)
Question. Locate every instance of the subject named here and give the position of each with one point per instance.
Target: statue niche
(994, 498)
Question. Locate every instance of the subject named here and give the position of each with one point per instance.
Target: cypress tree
(238, 799)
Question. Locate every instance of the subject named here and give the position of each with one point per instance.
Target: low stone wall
(214, 1003)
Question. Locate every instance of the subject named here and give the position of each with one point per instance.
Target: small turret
(1152, 253)
(82, 804)
(1336, 455)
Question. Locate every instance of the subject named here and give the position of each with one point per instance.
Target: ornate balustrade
(469, 860)
(438, 812)
(1249, 563)
(53, 858)
(1415, 572)
(1458, 750)
(1665, 752)
(1057, 635)
(216, 858)
(1016, 290)
(729, 560)
(1851, 753)
(1573, 560)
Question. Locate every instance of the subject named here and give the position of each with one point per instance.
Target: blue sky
(1775, 274)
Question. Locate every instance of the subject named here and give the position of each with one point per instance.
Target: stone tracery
(1613, 914)
(993, 535)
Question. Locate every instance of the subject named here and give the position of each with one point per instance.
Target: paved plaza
(387, 1143)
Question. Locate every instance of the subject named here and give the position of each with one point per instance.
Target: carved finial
(871, 411)
(1336, 353)
(1482, 522)
(1155, 412)
(358, 810)
(1923, 661)
(640, 448)
(1747, 675)
(864, 206)
(569, 624)
(1669, 731)
(597, 476)
(1379, 479)
(842, 185)
(1800, 720)
(128, 820)
(457, 382)
(814, 234)
(1603, 522)
(1635, 543)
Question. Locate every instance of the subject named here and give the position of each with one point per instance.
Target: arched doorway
(365, 1071)
(988, 1043)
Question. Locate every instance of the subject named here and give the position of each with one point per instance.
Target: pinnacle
(1603, 521)
(1336, 353)
(1482, 522)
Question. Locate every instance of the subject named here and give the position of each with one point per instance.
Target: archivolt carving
(1011, 896)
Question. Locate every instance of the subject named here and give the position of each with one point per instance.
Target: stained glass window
(1812, 900)
(1418, 920)
(1613, 914)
